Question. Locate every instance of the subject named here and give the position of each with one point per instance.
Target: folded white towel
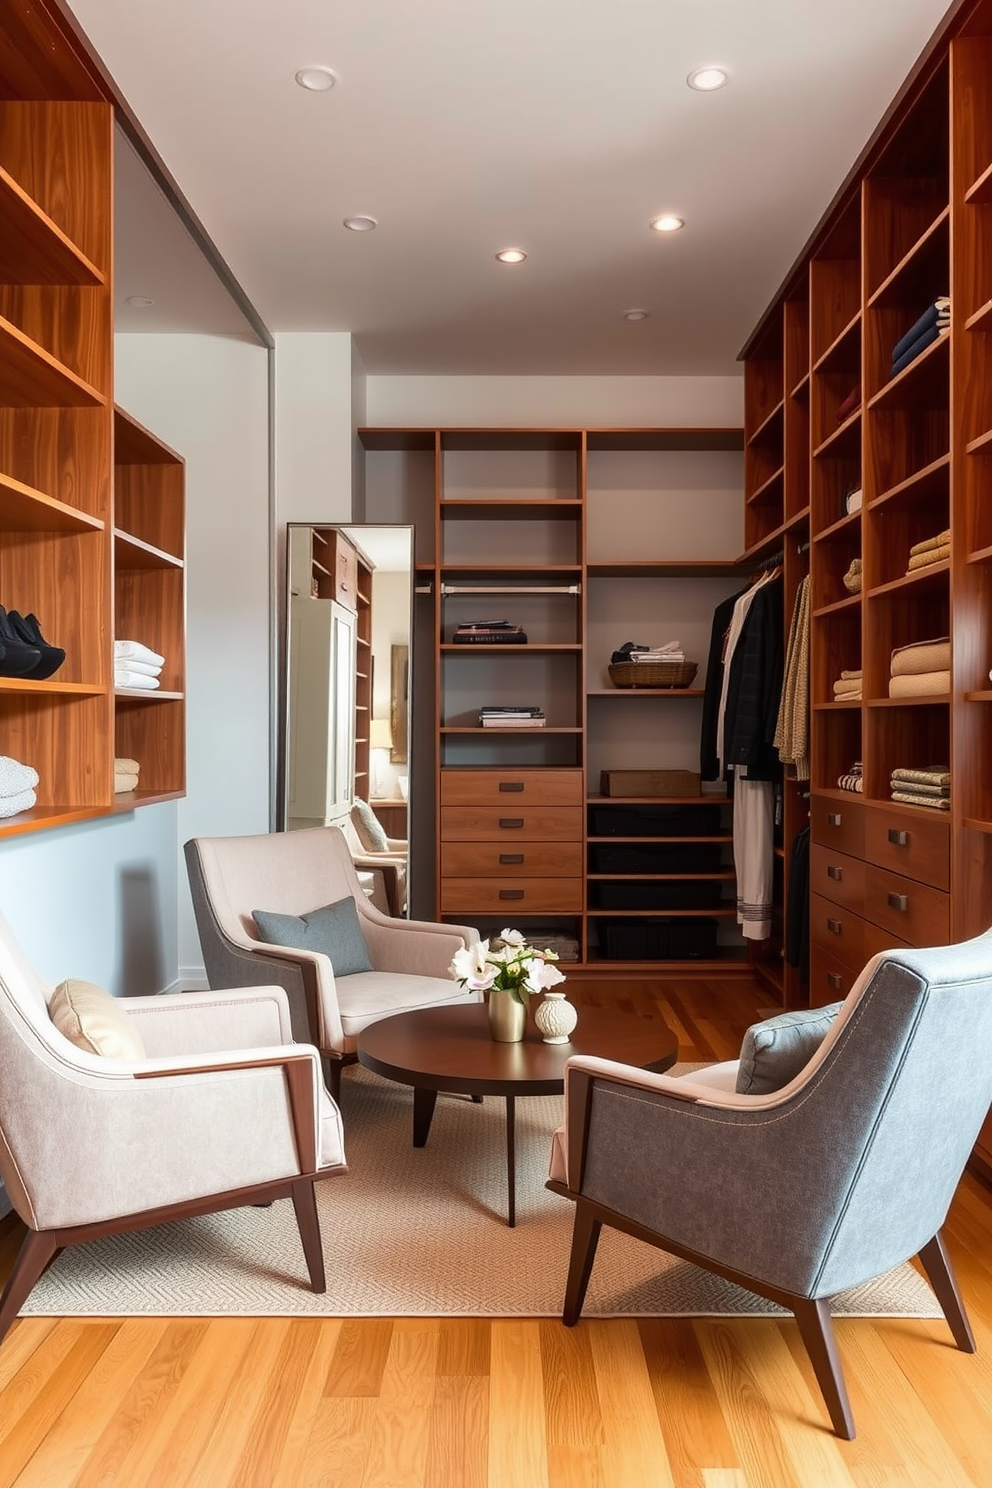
(126, 767)
(146, 668)
(23, 801)
(124, 783)
(16, 778)
(135, 651)
(123, 677)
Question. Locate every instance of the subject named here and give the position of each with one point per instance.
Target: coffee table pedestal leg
(511, 1161)
(424, 1102)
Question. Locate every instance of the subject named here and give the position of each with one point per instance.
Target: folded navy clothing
(919, 345)
(939, 311)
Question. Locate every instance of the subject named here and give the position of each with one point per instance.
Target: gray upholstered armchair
(199, 1102)
(295, 873)
(843, 1173)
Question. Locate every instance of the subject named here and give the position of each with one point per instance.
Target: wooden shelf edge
(147, 695)
(24, 508)
(850, 519)
(133, 800)
(66, 388)
(978, 321)
(765, 426)
(820, 364)
(52, 687)
(43, 818)
(910, 580)
(921, 243)
(980, 189)
(136, 445)
(917, 700)
(982, 443)
(943, 462)
(23, 213)
(158, 557)
(851, 602)
(886, 394)
(756, 497)
(824, 450)
(645, 691)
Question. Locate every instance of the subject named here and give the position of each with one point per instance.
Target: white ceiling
(465, 126)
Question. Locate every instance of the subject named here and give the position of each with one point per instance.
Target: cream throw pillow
(92, 1020)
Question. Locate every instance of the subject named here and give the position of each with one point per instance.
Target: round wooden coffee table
(450, 1049)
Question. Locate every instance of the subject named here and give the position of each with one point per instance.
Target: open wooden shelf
(921, 488)
(981, 320)
(131, 552)
(769, 489)
(665, 692)
(933, 577)
(923, 261)
(980, 189)
(843, 441)
(31, 378)
(496, 508)
(924, 383)
(768, 431)
(844, 352)
(34, 249)
(22, 509)
(663, 568)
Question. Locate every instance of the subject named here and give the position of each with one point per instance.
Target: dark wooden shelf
(724, 875)
(839, 606)
(653, 914)
(981, 445)
(801, 390)
(531, 648)
(844, 442)
(981, 320)
(31, 378)
(921, 700)
(766, 433)
(983, 695)
(768, 489)
(980, 189)
(837, 705)
(33, 249)
(923, 262)
(663, 692)
(933, 577)
(919, 489)
(844, 352)
(843, 524)
(664, 568)
(925, 383)
(659, 801)
(493, 508)
(529, 730)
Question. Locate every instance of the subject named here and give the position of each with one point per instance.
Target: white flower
(482, 980)
(470, 961)
(512, 938)
(540, 975)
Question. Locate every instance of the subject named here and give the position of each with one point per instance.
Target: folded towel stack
(847, 688)
(668, 651)
(850, 403)
(125, 775)
(136, 666)
(853, 501)
(853, 780)
(921, 670)
(852, 579)
(17, 786)
(931, 550)
(932, 324)
(929, 787)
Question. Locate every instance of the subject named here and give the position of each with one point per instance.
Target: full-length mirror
(347, 716)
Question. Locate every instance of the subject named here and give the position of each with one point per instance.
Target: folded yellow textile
(852, 579)
(935, 803)
(920, 684)
(931, 542)
(846, 676)
(126, 767)
(845, 689)
(930, 775)
(932, 555)
(922, 656)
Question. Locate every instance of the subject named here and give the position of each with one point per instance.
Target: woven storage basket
(652, 673)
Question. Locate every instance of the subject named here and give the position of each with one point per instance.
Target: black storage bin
(670, 939)
(655, 857)
(684, 895)
(694, 820)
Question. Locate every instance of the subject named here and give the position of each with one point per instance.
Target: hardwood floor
(517, 1403)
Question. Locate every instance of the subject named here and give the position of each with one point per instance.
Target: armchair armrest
(210, 1022)
(319, 987)
(413, 946)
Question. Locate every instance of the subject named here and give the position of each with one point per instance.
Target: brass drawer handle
(511, 821)
(834, 872)
(898, 901)
(511, 785)
(834, 926)
(834, 980)
(511, 893)
(511, 857)
(897, 838)
(835, 819)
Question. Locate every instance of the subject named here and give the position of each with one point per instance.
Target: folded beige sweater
(922, 656)
(932, 555)
(920, 684)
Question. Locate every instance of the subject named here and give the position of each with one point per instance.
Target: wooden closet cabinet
(91, 506)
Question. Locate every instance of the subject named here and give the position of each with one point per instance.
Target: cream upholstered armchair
(797, 1194)
(380, 861)
(201, 1102)
(294, 873)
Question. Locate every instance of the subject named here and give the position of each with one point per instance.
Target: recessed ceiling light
(636, 314)
(316, 79)
(707, 79)
(666, 223)
(511, 255)
(360, 224)
(140, 302)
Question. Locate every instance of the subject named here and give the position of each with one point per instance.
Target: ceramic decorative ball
(556, 1018)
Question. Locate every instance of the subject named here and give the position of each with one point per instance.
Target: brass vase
(507, 1018)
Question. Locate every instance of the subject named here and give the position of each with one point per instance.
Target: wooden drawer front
(839, 931)
(511, 860)
(877, 939)
(916, 847)
(511, 823)
(514, 896)
(837, 877)
(839, 824)
(345, 574)
(511, 788)
(830, 979)
(912, 911)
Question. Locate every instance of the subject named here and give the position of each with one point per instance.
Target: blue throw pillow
(775, 1051)
(334, 929)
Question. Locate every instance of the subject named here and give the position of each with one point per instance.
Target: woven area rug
(411, 1232)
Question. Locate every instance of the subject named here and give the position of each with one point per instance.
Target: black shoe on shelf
(20, 658)
(27, 629)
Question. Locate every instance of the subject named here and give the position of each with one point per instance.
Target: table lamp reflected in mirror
(380, 744)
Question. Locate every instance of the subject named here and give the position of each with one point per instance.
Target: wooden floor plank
(20, 1343)
(257, 1386)
(339, 1442)
(518, 1446)
(360, 1357)
(398, 1452)
(571, 1398)
(288, 1471)
(689, 1411)
(463, 1346)
(749, 1416)
(42, 1389)
(634, 1448)
(458, 1447)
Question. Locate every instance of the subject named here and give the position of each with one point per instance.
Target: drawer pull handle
(511, 821)
(511, 785)
(834, 872)
(897, 838)
(511, 857)
(834, 926)
(511, 893)
(898, 901)
(835, 819)
(834, 980)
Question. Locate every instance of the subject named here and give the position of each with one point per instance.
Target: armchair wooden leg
(585, 1238)
(937, 1264)
(305, 1205)
(333, 1067)
(36, 1253)
(817, 1329)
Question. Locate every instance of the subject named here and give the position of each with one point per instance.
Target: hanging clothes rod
(447, 589)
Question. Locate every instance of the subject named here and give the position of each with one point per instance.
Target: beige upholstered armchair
(200, 1102)
(294, 873)
(382, 867)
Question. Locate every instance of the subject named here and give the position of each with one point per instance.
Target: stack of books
(489, 633)
(511, 717)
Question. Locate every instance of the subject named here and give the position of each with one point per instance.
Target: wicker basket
(653, 673)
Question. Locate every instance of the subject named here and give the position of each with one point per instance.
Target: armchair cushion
(369, 828)
(334, 930)
(773, 1052)
(92, 1020)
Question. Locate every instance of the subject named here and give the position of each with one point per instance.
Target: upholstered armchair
(202, 1102)
(378, 859)
(841, 1174)
(294, 873)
